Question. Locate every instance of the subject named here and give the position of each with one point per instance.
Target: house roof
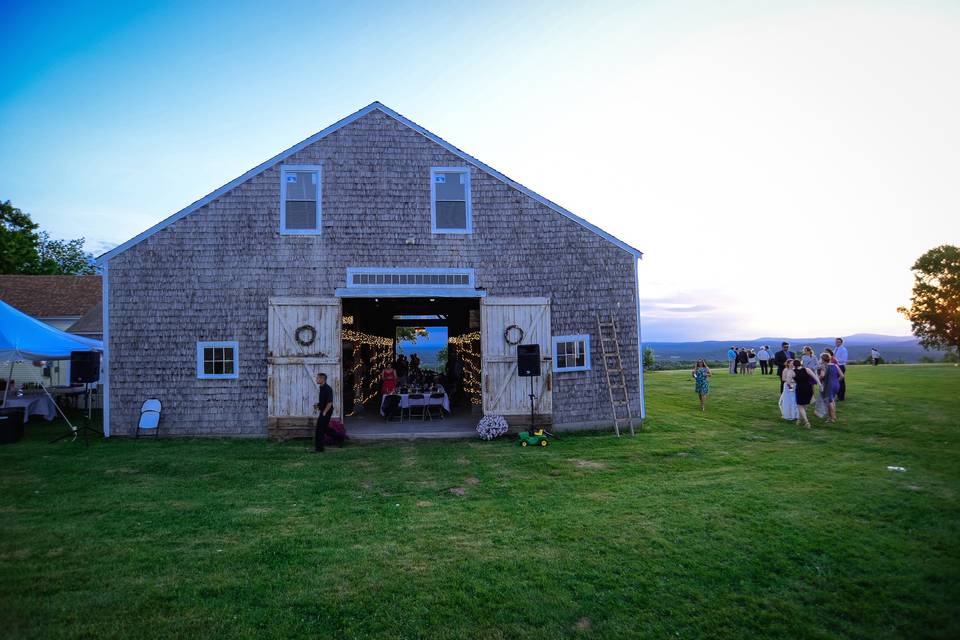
(90, 323)
(331, 129)
(51, 296)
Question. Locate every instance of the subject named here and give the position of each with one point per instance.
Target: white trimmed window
(300, 199)
(571, 353)
(450, 209)
(218, 360)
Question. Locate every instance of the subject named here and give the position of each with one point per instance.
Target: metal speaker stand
(76, 430)
(533, 405)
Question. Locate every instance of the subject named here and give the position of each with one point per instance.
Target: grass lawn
(729, 524)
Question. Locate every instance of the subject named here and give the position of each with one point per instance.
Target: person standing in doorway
(841, 355)
(402, 367)
(732, 359)
(325, 406)
(389, 383)
(763, 355)
(780, 359)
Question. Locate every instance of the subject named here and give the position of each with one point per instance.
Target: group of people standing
(799, 377)
(744, 360)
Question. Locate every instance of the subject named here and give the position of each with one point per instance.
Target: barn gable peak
(373, 106)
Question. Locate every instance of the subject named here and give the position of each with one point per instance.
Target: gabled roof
(51, 296)
(331, 129)
(90, 323)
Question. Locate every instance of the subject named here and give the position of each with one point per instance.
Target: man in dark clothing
(325, 406)
(780, 359)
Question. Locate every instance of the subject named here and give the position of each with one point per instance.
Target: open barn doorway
(433, 345)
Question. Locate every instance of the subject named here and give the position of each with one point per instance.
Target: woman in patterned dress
(701, 385)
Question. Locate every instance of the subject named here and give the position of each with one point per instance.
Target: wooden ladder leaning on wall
(616, 381)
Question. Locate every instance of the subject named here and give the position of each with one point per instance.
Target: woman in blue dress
(701, 385)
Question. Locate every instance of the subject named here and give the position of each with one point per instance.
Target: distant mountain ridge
(892, 348)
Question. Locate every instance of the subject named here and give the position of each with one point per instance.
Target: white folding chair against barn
(149, 417)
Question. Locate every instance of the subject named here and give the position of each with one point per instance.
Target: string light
(366, 338)
(471, 364)
(381, 352)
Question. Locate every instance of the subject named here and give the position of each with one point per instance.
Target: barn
(314, 260)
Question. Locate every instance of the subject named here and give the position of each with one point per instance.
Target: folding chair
(149, 417)
(435, 402)
(391, 408)
(417, 402)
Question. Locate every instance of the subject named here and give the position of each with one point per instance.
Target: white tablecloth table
(34, 405)
(405, 402)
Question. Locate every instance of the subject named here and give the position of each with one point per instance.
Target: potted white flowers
(492, 426)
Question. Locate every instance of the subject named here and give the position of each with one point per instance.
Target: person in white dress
(788, 398)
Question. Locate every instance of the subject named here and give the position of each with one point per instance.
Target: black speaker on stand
(84, 367)
(528, 360)
(528, 366)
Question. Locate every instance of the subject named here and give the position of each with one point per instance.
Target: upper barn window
(450, 210)
(300, 199)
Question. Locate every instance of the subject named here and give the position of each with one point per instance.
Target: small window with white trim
(571, 353)
(300, 199)
(450, 209)
(218, 360)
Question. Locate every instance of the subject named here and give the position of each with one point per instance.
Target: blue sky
(710, 135)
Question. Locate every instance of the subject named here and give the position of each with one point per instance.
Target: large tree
(934, 310)
(25, 250)
(18, 240)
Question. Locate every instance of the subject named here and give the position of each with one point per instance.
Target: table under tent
(24, 339)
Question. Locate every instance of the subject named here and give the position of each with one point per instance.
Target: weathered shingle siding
(208, 276)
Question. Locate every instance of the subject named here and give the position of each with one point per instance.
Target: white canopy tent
(23, 338)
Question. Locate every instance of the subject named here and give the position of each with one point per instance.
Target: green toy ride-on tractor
(538, 437)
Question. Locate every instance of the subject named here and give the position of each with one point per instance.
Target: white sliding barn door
(292, 367)
(504, 392)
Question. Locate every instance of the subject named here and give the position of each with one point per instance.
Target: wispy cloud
(681, 308)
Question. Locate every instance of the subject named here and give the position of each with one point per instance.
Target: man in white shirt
(875, 356)
(764, 357)
(840, 353)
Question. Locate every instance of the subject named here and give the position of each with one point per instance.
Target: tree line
(25, 249)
